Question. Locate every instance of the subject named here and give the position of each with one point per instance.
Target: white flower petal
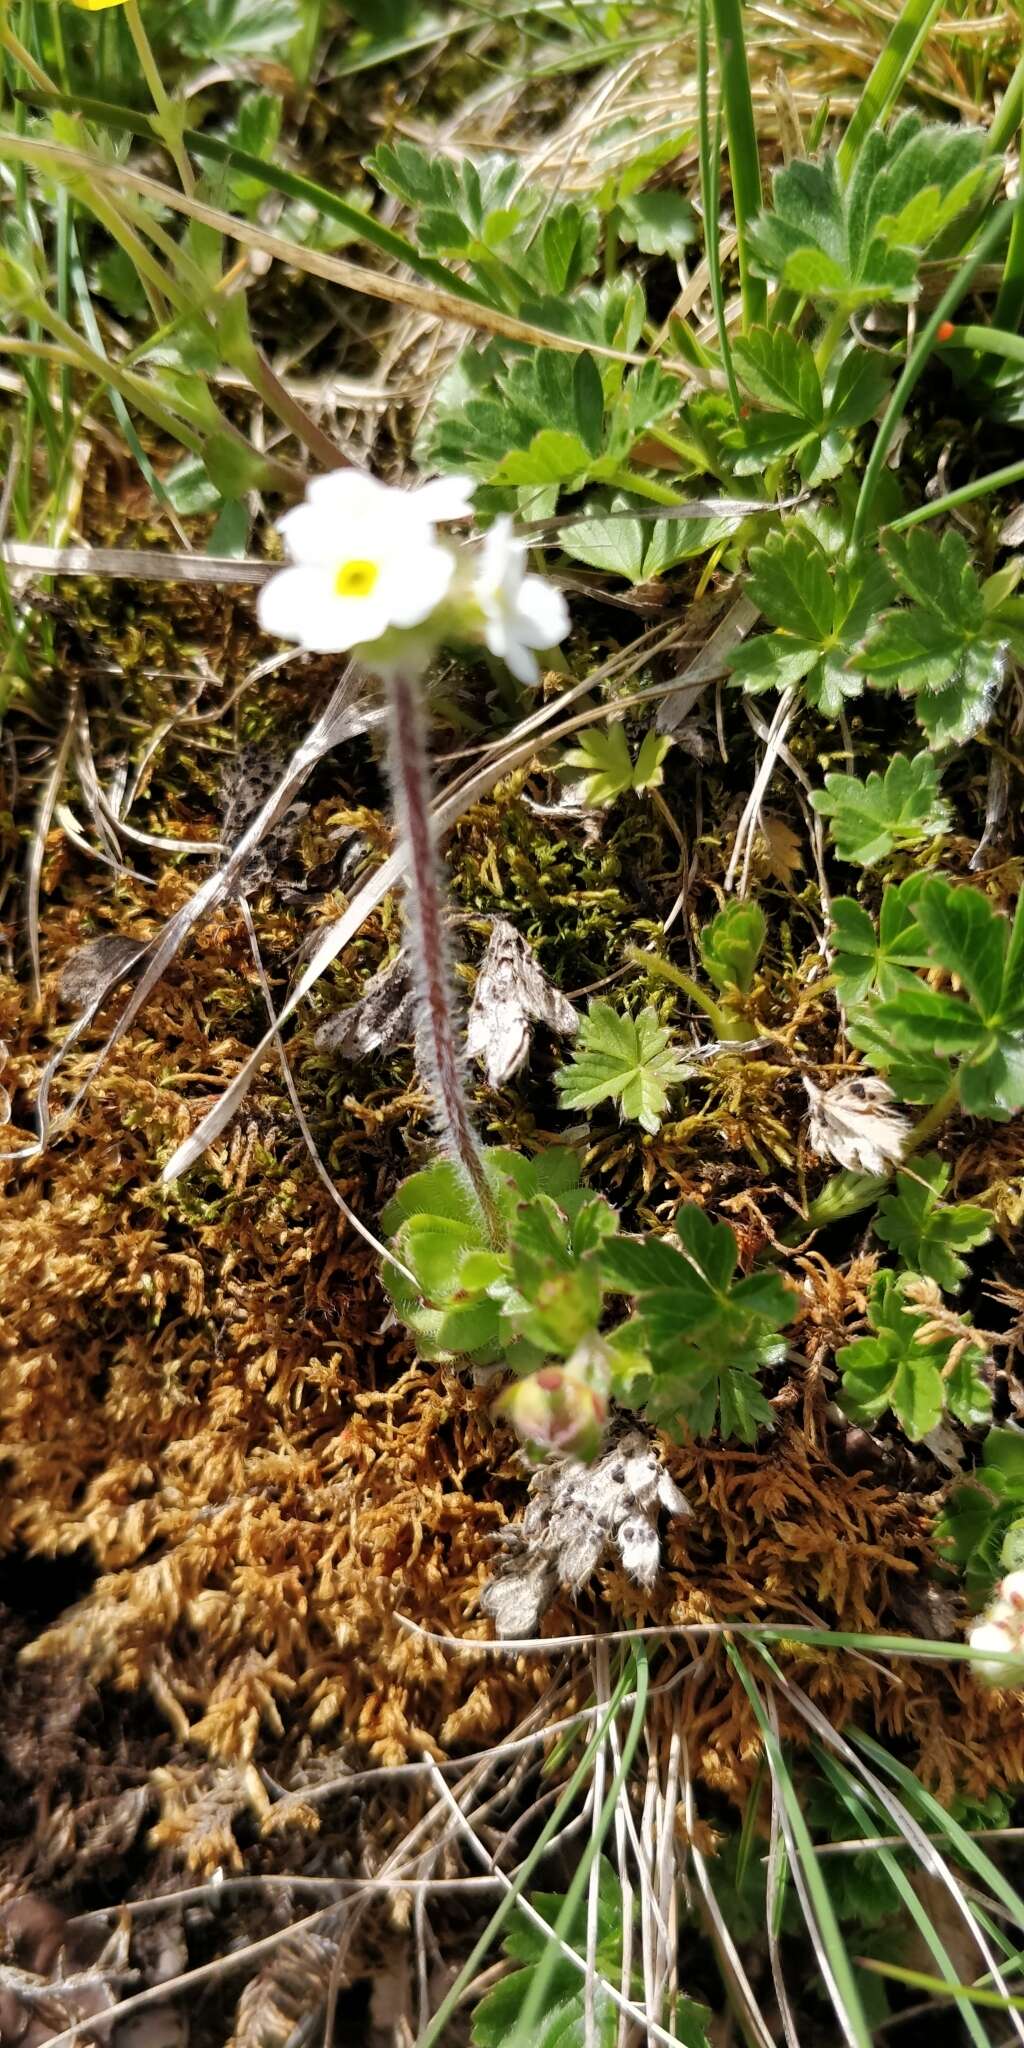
(348, 494)
(990, 1636)
(446, 497)
(1012, 1588)
(413, 586)
(302, 605)
(542, 615)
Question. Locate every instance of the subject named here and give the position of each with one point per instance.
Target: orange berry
(945, 330)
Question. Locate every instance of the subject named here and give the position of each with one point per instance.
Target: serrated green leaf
(928, 1233)
(623, 1059)
(222, 31)
(871, 818)
(983, 1513)
(968, 937)
(705, 1334)
(949, 649)
(898, 1368)
(862, 244)
(867, 961)
(820, 607)
(639, 549)
(564, 2023)
(660, 223)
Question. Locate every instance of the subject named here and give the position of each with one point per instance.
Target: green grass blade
(434, 2034)
(525, 2033)
(920, 1981)
(918, 357)
(893, 66)
(708, 144)
(968, 1850)
(843, 1989)
(741, 135)
(276, 177)
(865, 1815)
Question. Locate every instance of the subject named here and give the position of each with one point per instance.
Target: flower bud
(556, 1410)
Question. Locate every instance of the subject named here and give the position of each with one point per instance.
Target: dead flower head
(856, 1124)
(575, 1514)
(512, 994)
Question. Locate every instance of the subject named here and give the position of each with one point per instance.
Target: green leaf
(563, 2024)
(870, 819)
(899, 1369)
(969, 938)
(622, 1059)
(959, 931)
(514, 239)
(982, 1523)
(856, 246)
(659, 223)
(706, 1334)
(730, 946)
(609, 770)
(821, 607)
(882, 962)
(556, 1269)
(222, 31)
(778, 368)
(639, 549)
(949, 649)
(456, 1304)
(928, 1233)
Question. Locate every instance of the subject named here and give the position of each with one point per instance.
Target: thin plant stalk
(169, 122)
(427, 944)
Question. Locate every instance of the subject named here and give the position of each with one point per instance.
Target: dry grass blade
(728, 1955)
(37, 849)
(140, 565)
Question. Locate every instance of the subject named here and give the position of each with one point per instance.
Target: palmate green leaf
(731, 945)
(883, 961)
(949, 649)
(982, 1525)
(856, 246)
(821, 607)
(485, 215)
(618, 1058)
(982, 1028)
(928, 1233)
(870, 819)
(779, 370)
(609, 770)
(704, 1333)
(544, 419)
(895, 1369)
(555, 1268)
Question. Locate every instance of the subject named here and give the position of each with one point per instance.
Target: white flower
(366, 560)
(1001, 1629)
(520, 613)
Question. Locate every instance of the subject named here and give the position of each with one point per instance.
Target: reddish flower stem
(427, 943)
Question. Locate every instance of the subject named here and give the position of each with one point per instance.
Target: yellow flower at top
(95, 6)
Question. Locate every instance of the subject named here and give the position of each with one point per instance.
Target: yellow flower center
(356, 579)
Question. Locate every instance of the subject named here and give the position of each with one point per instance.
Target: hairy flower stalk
(426, 941)
(369, 572)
